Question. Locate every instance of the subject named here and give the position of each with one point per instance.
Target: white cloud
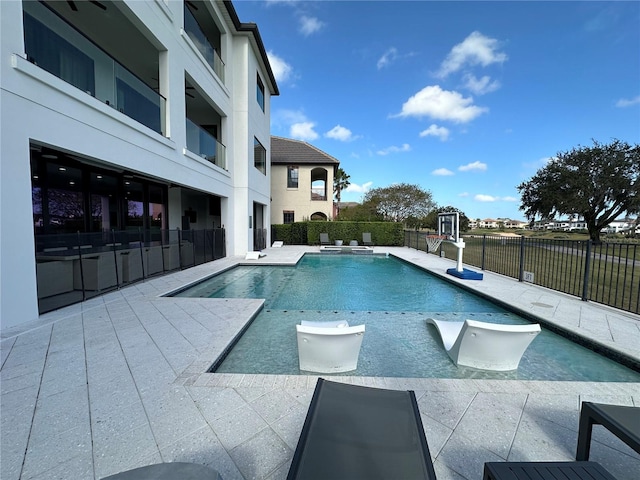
(476, 49)
(441, 104)
(303, 131)
(491, 198)
(340, 133)
(435, 131)
(364, 188)
(474, 166)
(388, 57)
(442, 172)
(486, 198)
(628, 102)
(463, 194)
(394, 149)
(480, 86)
(309, 25)
(537, 164)
(281, 69)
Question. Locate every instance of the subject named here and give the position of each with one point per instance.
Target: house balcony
(204, 35)
(318, 194)
(205, 145)
(57, 46)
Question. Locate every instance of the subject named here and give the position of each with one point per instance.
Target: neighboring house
(301, 182)
(622, 226)
(488, 223)
(518, 224)
(499, 223)
(128, 115)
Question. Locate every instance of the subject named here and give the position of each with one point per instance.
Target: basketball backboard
(449, 225)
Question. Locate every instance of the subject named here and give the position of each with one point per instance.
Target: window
(260, 93)
(259, 156)
(69, 197)
(288, 216)
(292, 177)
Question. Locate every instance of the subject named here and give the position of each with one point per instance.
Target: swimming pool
(393, 299)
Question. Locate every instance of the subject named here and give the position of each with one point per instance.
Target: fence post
(164, 267)
(84, 295)
(587, 267)
(179, 248)
(141, 243)
(484, 245)
(115, 257)
(521, 271)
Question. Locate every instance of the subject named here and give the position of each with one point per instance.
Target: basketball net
(434, 241)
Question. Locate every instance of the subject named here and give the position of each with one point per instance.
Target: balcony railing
(78, 61)
(202, 43)
(318, 194)
(205, 145)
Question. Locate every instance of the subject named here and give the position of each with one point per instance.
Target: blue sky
(465, 99)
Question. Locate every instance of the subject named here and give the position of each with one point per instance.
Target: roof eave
(252, 29)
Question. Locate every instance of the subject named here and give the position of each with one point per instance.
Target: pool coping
(119, 384)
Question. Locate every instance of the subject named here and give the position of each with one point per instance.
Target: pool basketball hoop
(434, 241)
(449, 228)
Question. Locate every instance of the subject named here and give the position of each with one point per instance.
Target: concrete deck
(119, 382)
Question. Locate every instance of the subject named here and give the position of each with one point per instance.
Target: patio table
(622, 421)
(545, 471)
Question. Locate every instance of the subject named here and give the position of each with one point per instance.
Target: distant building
(301, 182)
(623, 226)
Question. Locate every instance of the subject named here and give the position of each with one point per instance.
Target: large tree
(365, 212)
(399, 202)
(598, 183)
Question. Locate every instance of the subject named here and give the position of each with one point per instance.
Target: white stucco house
(301, 182)
(126, 116)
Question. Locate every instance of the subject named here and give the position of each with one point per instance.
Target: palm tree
(340, 182)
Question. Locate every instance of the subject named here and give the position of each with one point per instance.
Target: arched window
(319, 184)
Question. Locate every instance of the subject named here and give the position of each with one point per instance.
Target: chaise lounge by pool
(393, 299)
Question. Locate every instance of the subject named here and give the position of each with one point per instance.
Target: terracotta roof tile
(286, 151)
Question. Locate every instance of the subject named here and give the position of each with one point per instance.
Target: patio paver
(119, 382)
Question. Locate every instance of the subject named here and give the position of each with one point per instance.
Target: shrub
(308, 233)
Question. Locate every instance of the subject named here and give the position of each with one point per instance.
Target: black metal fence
(260, 238)
(607, 273)
(71, 268)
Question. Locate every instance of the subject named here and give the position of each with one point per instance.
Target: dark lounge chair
(355, 432)
(324, 239)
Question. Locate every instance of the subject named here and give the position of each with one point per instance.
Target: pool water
(393, 299)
